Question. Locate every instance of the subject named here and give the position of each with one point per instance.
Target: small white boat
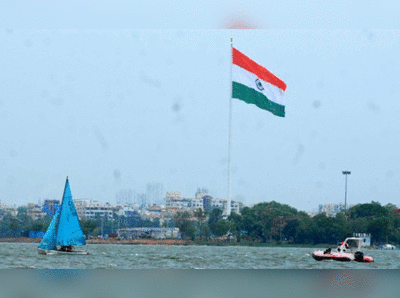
(64, 231)
(344, 252)
(388, 247)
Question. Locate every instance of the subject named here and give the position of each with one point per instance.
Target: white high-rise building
(80, 206)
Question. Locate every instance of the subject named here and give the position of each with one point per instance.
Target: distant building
(127, 211)
(217, 203)
(35, 211)
(237, 206)
(154, 193)
(156, 233)
(195, 203)
(211, 203)
(207, 203)
(332, 209)
(80, 206)
(13, 210)
(157, 209)
(95, 209)
(200, 193)
(125, 196)
(174, 201)
(141, 200)
(49, 205)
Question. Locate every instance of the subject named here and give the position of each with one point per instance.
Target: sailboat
(64, 231)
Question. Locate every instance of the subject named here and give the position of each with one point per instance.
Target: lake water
(116, 256)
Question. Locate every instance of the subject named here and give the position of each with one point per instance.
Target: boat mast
(62, 200)
(65, 187)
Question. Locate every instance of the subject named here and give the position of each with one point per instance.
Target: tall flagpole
(228, 207)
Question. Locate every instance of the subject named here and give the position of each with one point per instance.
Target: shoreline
(139, 241)
(108, 241)
(166, 242)
(183, 242)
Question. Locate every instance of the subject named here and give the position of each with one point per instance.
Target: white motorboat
(388, 246)
(348, 250)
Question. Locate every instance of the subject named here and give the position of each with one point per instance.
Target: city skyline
(136, 199)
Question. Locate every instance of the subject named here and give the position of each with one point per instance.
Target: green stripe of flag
(251, 96)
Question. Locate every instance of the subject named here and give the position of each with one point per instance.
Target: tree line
(272, 222)
(267, 222)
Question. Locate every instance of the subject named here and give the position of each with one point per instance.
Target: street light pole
(345, 190)
(102, 226)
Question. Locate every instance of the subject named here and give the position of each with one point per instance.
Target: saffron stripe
(251, 96)
(261, 72)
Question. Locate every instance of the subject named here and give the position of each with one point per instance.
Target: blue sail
(69, 230)
(49, 239)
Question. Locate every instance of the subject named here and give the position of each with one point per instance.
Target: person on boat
(328, 250)
(343, 247)
(66, 248)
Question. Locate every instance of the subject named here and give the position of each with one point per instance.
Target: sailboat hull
(59, 252)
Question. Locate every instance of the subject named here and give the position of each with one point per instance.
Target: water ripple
(24, 255)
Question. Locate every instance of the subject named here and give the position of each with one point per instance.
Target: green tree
(304, 231)
(329, 230)
(252, 225)
(221, 227)
(359, 225)
(15, 228)
(23, 217)
(37, 226)
(273, 217)
(214, 217)
(236, 223)
(380, 228)
(186, 226)
(369, 210)
(88, 226)
(290, 230)
(391, 207)
(201, 218)
(205, 231)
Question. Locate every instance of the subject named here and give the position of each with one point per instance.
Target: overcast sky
(116, 109)
(206, 14)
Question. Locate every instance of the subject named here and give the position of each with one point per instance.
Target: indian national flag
(254, 84)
